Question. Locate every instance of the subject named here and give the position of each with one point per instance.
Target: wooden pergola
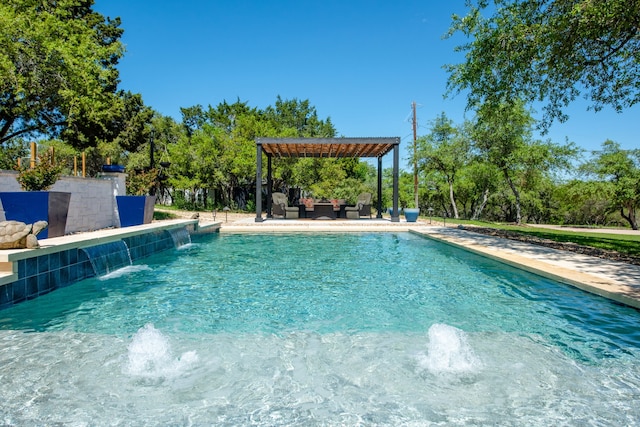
(326, 148)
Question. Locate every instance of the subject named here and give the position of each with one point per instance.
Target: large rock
(18, 235)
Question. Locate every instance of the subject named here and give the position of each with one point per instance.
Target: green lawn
(623, 243)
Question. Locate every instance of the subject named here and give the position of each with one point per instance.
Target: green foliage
(142, 182)
(301, 116)
(131, 122)
(11, 151)
(584, 202)
(503, 137)
(622, 169)
(58, 73)
(214, 151)
(161, 216)
(42, 176)
(445, 149)
(549, 50)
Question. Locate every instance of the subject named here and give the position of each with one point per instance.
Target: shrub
(141, 183)
(42, 176)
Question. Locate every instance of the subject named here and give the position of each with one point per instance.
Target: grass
(628, 244)
(158, 215)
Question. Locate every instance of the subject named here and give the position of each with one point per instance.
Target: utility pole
(415, 157)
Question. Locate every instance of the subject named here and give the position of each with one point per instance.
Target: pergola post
(379, 215)
(395, 215)
(269, 186)
(259, 182)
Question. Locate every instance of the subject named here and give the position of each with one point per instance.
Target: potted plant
(36, 203)
(411, 214)
(113, 168)
(136, 208)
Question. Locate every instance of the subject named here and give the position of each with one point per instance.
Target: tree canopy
(622, 169)
(58, 75)
(444, 150)
(551, 51)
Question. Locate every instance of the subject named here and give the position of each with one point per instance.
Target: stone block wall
(93, 200)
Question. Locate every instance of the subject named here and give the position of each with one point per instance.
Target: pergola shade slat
(327, 147)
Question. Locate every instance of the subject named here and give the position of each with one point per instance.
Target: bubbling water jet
(449, 351)
(150, 355)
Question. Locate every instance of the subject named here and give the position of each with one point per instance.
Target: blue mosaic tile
(64, 258)
(73, 256)
(54, 279)
(6, 295)
(54, 261)
(31, 267)
(42, 274)
(44, 285)
(32, 287)
(65, 276)
(43, 264)
(75, 272)
(19, 291)
(22, 268)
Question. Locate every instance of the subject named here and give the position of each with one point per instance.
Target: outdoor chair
(362, 207)
(281, 207)
(308, 203)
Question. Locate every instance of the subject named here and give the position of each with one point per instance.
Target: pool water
(329, 329)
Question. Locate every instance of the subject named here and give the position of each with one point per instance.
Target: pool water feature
(180, 236)
(108, 257)
(331, 329)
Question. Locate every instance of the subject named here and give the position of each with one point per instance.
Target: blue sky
(360, 62)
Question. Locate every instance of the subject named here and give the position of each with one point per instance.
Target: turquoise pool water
(330, 329)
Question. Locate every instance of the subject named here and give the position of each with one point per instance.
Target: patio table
(323, 211)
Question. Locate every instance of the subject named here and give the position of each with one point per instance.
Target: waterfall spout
(107, 257)
(180, 236)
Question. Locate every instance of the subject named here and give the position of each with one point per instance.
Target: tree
(132, 122)
(58, 73)
(483, 179)
(622, 169)
(301, 116)
(549, 50)
(446, 150)
(11, 152)
(584, 202)
(503, 135)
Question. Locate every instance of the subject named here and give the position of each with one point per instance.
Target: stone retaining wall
(93, 200)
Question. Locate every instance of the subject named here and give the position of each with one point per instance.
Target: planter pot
(113, 168)
(135, 210)
(390, 211)
(32, 206)
(411, 214)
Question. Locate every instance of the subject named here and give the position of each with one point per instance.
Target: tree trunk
(631, 218)
(453, 200)
(478, 211)
(516, 194)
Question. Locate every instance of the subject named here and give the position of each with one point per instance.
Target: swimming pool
(329, 329)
